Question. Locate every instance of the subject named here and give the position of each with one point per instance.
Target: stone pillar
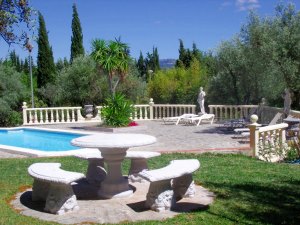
(151, 103)
(24, 107)
(254, 134)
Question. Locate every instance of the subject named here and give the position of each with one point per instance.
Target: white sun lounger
(197, 119)
(177, 119)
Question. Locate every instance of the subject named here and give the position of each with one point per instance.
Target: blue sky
(143, 24)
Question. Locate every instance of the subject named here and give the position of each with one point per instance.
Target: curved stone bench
(138, 163)
(96, 173)
(163, 193)
(53, 185)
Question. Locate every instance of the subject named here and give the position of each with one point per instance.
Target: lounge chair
(245, 132)
(239, 123)
(177, 119)
(197, 119)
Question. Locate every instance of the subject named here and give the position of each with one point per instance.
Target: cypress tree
(141, 65)
(45, 61)
(182, 53)
(196, 53)
(156, 59)
(77, 37)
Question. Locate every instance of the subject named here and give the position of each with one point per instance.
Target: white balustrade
(51, 115)
(269, 142)
(149, 111)
(230, 111)
(165, 110)
(141, 112)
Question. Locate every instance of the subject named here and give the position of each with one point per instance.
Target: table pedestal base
(114, 185)
(119, 190)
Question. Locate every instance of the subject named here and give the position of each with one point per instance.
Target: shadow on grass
(271, 204)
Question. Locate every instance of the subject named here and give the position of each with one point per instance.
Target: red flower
(133, 124)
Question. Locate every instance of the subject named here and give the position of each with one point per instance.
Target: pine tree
(45, 61)
(77, 37)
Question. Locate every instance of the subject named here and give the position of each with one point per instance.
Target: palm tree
(113, 58)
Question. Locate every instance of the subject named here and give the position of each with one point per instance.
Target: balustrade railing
(165, 110)
(149, 111)
(223, 112)
(51, 115)
(267, 143)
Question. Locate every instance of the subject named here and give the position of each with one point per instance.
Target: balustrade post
(46, 116)
(151, 104)
(35, 119)
(24, 107)
(194, 109)
(254, 135)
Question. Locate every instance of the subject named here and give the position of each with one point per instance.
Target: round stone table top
(113, 140)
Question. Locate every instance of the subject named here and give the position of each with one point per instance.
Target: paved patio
(170, 138)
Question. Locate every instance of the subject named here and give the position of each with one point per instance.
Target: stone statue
(287, 102)
(200, 100)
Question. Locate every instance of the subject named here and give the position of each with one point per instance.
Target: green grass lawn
(247, 191)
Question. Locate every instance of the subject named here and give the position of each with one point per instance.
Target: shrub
(117, 111)
(12, 92)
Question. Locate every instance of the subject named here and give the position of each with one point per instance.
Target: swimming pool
(39, 142)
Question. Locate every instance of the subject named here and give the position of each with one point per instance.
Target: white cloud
(225, 4)
(243, 5)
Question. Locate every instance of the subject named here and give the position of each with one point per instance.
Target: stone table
(113, 147)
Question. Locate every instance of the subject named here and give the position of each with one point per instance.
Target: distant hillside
(167, 63)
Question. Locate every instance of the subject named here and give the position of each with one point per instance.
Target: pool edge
(39, 153)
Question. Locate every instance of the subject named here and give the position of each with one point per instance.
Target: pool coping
(39, 153)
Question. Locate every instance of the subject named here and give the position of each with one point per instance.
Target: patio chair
(239, 123)
(177, 119)
(245, 132)
(272, 122)
(197, 119)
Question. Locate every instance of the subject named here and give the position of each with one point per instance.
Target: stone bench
(96, 173)
(53, 185)
(170, 183)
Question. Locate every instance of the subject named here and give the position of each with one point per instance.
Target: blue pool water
(38, 139)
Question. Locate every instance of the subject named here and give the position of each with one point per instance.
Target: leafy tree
(113, 58)
(16, 19)
(286, 55)
(77, 37)
(45, 61)
(134, 87)
(77, 84)
(177, 85)
(12, 93)
(259, 62)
